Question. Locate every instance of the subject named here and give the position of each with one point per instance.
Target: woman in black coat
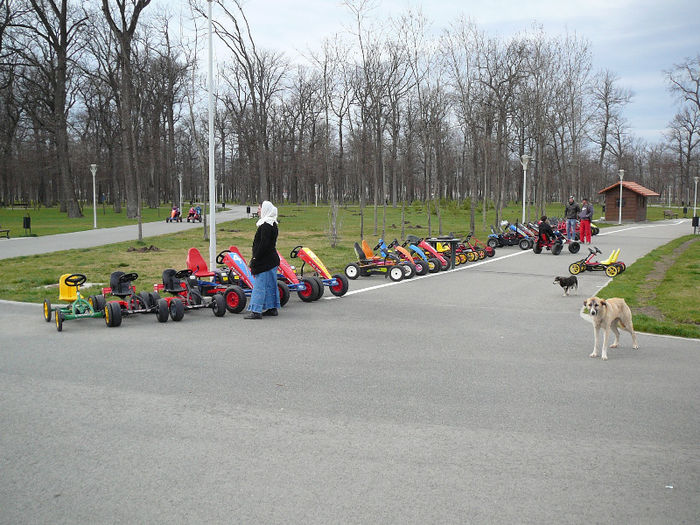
(265, 299)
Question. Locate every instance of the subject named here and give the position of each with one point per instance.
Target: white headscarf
(268, 214)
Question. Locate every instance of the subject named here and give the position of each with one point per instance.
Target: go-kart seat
(171, 283)
(613, 257)
(360, 253)
(66, 294)
(197, 264)
(120, 289)
(367, 250)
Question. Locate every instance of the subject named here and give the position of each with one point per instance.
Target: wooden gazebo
(634, 201)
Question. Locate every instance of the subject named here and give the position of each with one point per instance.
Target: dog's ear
(603, 303)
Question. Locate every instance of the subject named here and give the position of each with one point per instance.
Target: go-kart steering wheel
(220, 257)
(293, 254)
(183, 274)
(128, 277)
(75, 279)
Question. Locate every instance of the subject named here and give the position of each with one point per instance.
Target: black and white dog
(567, 283)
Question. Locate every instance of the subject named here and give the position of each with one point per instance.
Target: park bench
(670, 214)
(6, 233)
(24, 205)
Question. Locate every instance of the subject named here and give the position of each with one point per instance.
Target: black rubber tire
(421, 267)
(524, 244)
(342, 288)
(492, 242)
(310, 291)
(321, 286)
(574, 247)
(575, 268)
(47, 310)
(595, 230)
(146, 300)
(59, 320)
(556, 249)
(537, 248)
(113, 314)
(284, 292)
(177, 309)
(434, 265)
(162, 313)
(218, 305)
(352, 271)
(409, 270)
(236, 303)
(396, 273)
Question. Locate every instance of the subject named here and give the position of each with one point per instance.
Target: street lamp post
(695, 198)
(179, 202)
(212, 182)
(93, 169)
(619, 204)
(524, 160)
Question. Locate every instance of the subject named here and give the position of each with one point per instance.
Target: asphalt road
(463, 397)
(20, 246)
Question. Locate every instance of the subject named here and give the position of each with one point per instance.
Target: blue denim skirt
(265, 293)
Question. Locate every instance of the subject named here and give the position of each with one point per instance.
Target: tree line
(383, 114)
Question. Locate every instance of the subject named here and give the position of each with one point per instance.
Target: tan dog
(606, 315)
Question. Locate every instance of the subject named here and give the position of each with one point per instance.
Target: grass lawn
(663, 289)
(50, 221)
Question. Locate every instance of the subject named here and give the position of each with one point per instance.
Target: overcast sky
(637, 39)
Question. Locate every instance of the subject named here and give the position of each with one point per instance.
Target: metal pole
(524, 160)
(619, 204)
(695, 198)
(179, 202)
(212, 182)
(93, 169)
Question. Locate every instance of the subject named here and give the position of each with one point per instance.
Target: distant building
(634, 201)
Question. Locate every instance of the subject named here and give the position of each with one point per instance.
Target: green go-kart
(77, 307)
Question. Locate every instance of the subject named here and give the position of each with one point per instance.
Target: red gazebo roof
(632, 186)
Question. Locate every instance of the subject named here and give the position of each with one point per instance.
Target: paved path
(463, 397)
(20, 246)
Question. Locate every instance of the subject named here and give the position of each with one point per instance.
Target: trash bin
(247, 210)
(27, 222)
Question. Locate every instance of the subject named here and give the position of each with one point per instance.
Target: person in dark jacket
(265, 299)
(545, 230)
(571, 211)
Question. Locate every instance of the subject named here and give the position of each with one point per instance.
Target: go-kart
(573, 246)
(307, 288)
(429, 250)
(219, 283)
(69, 292)
(512, 235)
(418, 258)
(175, 215)
(239, 273)
(408, 265)
(610, 266)
(368, 263)
(184, 295)
(195, 214)
(336, 283)
(125, 299)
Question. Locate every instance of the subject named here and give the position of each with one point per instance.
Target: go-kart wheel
(611, 271)
(59, 320)
(537, 248)
(446, 265)
(194, 298)
(524, 244)
(575, 268)
(492, 242)
(321, 286)
(341, 288)
(309, 291)
(97, 302)
(434, 265)
(162, 311)
(154, 298)
(557, 248)
(75, 279)
(113, 314)
(395, 273)
(218, 305)
(463, 258)
(482, 254)
(284, 292)
(177, 309)
(421, 267)
(47, 310)
(621, 267)
(235, 299)
(146, 300)
(574, 247)
(595, 230)
(471, 256)
(409, 270)
(352, 271)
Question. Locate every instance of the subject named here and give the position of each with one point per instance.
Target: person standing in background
(586, 217)
(571, 211)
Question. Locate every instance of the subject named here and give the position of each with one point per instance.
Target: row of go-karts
(527, 236)
(415, 256)
(221, 289)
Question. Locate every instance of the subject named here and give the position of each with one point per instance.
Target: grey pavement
(20, 246)
(463, 397)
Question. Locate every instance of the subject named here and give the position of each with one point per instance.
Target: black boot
(253, 315)
(272, 312)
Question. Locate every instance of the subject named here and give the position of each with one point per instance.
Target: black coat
(264, 249)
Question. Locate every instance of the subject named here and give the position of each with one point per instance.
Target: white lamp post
(212, 182)
(93, 169)
(619, 205)
(179, 202)
(524, 160)
(695, 198)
